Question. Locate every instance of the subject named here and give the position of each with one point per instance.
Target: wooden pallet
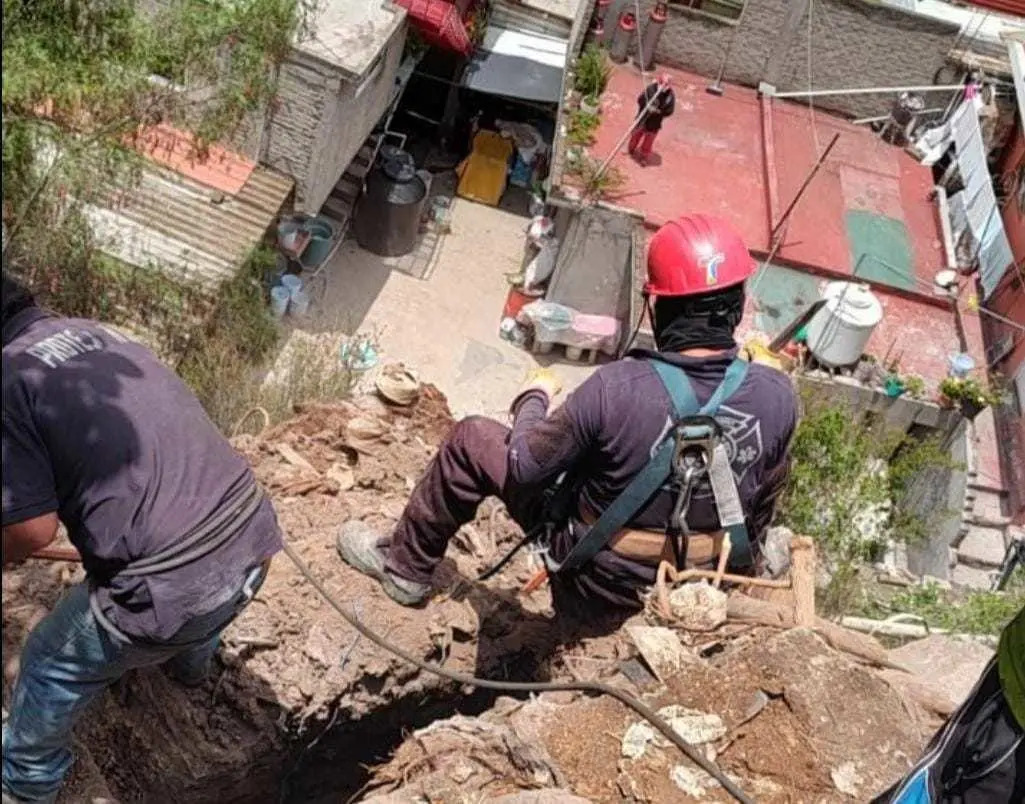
(572, 353)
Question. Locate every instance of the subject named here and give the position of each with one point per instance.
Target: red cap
(696, 254)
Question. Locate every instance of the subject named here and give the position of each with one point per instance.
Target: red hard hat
(696, 254)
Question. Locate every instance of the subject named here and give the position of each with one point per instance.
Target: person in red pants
(654, 104)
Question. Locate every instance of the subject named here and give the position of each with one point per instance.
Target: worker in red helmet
(591, 482)
(654, 105)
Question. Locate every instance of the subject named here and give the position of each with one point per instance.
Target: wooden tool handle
(58, 554)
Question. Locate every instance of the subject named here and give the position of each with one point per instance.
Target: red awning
(439, 23)
(1012, 7)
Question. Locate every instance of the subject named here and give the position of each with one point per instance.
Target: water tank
(839, 332)
(387, 219)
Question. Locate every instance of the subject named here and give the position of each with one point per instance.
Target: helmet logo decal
(711, 264)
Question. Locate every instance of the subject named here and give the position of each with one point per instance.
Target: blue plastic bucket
(961, 365)
(279, 297)
(321, 235)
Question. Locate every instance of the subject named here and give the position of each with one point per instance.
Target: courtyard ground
(438, 309)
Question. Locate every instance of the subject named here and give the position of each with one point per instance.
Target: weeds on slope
(856, 487)
(974, 612)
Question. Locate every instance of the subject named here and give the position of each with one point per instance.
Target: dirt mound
(294, 678)
(301, 706)
(782, 713)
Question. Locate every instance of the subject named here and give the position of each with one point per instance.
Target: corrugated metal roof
(515, 17)
(188, 230)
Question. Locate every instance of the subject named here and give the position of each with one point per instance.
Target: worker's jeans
(69, 660)
(471, 464)
(642, 142)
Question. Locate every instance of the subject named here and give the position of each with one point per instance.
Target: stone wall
(854, 44)
(320, 120)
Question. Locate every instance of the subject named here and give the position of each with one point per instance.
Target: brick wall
(854, 44)
(1008, 300)
(320, 120)
(349, 118)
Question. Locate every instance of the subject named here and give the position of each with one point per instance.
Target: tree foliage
(83, 80)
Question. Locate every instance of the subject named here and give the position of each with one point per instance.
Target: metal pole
(868, 91)
(716, 88)
(863, 120)
(800, 192)
(626, 135)
(774, 240)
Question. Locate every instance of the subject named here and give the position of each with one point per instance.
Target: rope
(624, 698)
(238, 425)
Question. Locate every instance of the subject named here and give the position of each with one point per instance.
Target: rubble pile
(301, 708)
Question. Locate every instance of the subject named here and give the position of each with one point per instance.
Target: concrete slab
(349, 34)
(444, 327)
(982, 547)
(972, 577)
(951, 663)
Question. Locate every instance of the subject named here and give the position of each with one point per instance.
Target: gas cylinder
(601, 9)
(652, 33)
(621, 37)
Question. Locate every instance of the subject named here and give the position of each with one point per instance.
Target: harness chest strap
(659, 470)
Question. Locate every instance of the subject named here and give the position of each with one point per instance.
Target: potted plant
(914, 385)
(592, 75)
(894, 385)
(971, 396)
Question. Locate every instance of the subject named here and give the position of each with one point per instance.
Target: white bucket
(279, 297)
(292, 283)
(299, 303)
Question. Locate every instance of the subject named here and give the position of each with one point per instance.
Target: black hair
(16, 297)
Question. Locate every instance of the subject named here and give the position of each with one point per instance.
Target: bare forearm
(22, 539)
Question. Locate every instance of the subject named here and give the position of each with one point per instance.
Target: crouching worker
(978, 757)
(613, 443)
(173, 531)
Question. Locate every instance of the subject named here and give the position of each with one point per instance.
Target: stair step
(358, 170)
(337, 209)
(348, 186)
(365, 154)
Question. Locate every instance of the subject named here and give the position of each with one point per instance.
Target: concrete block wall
(319, 120)
(293, 124)
(854, 44)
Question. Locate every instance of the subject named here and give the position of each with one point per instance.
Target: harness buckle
(695, 439)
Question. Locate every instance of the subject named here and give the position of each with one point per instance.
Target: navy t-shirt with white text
(98, 430)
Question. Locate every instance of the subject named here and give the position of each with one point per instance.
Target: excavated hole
(340, 764)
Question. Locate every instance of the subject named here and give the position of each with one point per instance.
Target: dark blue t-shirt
(98, 430)
(611, 425)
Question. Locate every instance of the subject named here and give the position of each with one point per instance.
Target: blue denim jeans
(69, 660)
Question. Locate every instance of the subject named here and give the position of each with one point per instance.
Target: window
(724, 9)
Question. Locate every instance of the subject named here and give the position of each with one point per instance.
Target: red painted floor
(708, 156)
(725, 156)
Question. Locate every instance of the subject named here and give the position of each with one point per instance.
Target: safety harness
(692, 450)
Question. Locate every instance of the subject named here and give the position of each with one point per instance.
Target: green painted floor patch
(880, 249)
(782, 295)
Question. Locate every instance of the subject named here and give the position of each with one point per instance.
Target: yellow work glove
(541, 379)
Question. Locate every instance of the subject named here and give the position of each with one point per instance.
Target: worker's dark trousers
(471, 464)
(978, 757)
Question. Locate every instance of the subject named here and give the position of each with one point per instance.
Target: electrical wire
(624, 698)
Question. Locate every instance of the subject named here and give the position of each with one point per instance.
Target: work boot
(360, 547)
